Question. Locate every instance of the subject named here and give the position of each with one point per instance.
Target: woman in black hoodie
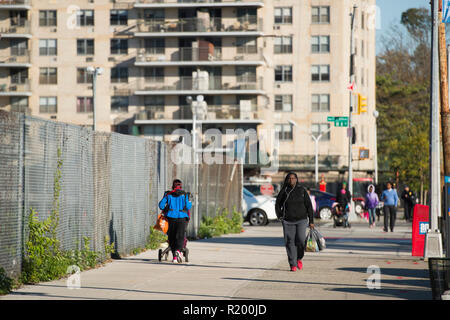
(293, 207)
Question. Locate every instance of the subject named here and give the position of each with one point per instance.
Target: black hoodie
(295, 201)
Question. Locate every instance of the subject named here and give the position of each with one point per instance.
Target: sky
(391, 11)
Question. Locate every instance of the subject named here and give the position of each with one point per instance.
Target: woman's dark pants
(294, 239)
(176, 233)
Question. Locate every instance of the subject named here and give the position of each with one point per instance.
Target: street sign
(339, 121)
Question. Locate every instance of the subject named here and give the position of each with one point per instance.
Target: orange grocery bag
(161, 224)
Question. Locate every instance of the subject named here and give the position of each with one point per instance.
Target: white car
(258, 210)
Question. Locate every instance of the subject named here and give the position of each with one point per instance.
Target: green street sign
(338, 121)
(341, 123)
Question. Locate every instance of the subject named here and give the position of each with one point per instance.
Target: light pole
(95, 72)
(433, 240)
(376, 114)
(198, 108)
(316, 143)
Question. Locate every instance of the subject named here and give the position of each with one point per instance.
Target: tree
(403, 95)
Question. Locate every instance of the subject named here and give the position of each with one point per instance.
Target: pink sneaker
(299, 264)
(293, 268)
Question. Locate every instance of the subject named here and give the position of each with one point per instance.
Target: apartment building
(259, 64)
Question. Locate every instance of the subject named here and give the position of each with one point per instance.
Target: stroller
(165, 253)
(340, 218)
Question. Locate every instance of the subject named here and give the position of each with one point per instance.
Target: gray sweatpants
(294, 239)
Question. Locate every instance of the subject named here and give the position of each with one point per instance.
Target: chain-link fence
(11, 158)
(104, 186)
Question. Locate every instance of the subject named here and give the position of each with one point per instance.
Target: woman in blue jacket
(175, 205)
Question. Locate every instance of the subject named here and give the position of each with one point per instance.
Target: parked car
(324, 203)
(258, 210)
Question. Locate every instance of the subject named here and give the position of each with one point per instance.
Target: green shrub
(220, 224)
(155, 238)
(6, 283)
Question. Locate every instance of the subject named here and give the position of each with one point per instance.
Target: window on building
(155, 46)
(320, 44)
(283, 132)
(18, 75)
(362, 48)
(19, 104)
(320, 72)
(47, 18)
(246, 74)
(83, 76)
(283, 45)
(48, 105)
(118, 17)
(19, 47)
(154, 14)
(283, 73)
(283, 15)
(154, 101)
(154, 74)
(119, 46)
(84, 104)
(48, 47)
(320, 128)
(246, 45)
(119, 103)
(120, 128)
(320, 103)
(246, 15)
(119, 75)
(85, 18)
(18, 18)
(283, 103)
(321, 14)
(85, 47)
(48, 76)
(363, 22)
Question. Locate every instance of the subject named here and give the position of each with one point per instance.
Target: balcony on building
(208, 26)
(15, 28)
(204, 55)
(15, 4)
(197, 3)
(13, 88)
(199, 84)
(224, 114)
(10, 60)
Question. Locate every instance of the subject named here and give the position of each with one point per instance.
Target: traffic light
(362, 103)
(353, 135)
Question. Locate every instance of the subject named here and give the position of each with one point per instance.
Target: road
(253, 265)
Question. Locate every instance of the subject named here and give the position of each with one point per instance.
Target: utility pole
(433, 240)
(444, 94)
(352, 215)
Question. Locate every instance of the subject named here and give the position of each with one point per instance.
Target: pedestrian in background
(343, 198)
(313, 199)
(294, 208)
(371, 204)
(409, 200)
(176, 204)
(390, 199)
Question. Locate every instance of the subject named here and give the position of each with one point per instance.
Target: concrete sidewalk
(253, 265)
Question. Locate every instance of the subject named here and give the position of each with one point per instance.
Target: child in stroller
(340, 216)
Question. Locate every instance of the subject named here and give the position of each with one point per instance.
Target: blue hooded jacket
(177, 203)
